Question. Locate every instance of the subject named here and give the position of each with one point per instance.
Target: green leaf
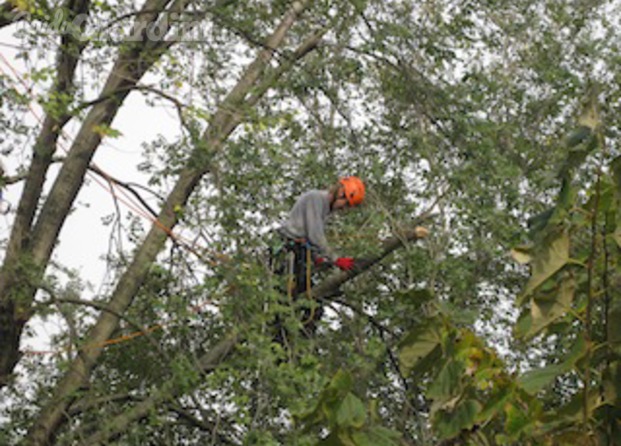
(448, 383)
(521, 254)
(577, 352)
(450, 424)
(351, 412)
(540, 221)
(329, 400)
(579, 135)
(104, 130)
(589, 117)
(495, 404)
(415, 295)
(342, 382)
(345, 438)
(376, 436)
(548, 308)
(517, 420)
(419, 344)
(535, 380)
(523, 324)
(457, 315)
(334, 393)
(547, 260)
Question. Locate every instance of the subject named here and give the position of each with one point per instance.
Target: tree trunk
(16, 278)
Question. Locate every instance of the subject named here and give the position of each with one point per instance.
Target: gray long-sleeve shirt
(307, 219)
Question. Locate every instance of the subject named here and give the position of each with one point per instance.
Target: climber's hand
(345, 263)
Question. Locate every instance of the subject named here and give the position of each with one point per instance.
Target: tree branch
(10, 14)
(85, 405)
(193, 421)
(332, 284)
(130, 187)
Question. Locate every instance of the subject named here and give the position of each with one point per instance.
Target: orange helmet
(354, 190)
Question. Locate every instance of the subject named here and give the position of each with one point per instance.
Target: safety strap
(309, 294)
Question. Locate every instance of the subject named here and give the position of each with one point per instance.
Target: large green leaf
(342, 382)
(523, 324)
(351, 412)
(535, 380)
(547, 308)
(448, 383)
(495, 404)
(376, 436)
(330, 399)
(547, 260)
(448, 424)
(419, 344)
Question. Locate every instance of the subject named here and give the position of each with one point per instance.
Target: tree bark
(332, 284)
(15, 276)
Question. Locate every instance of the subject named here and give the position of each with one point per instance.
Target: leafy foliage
(473, 110)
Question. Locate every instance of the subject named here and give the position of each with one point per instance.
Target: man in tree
(305, 240)
(304, 229)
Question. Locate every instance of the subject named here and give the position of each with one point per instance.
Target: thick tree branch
(85, 405)
(131, 65)
(15, 287)
(332, 284)
(29, 249)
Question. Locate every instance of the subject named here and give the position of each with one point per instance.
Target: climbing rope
(118, 340)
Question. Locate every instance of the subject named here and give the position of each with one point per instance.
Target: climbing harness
(293, 259)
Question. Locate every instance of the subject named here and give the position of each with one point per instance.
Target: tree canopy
(492, 123)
